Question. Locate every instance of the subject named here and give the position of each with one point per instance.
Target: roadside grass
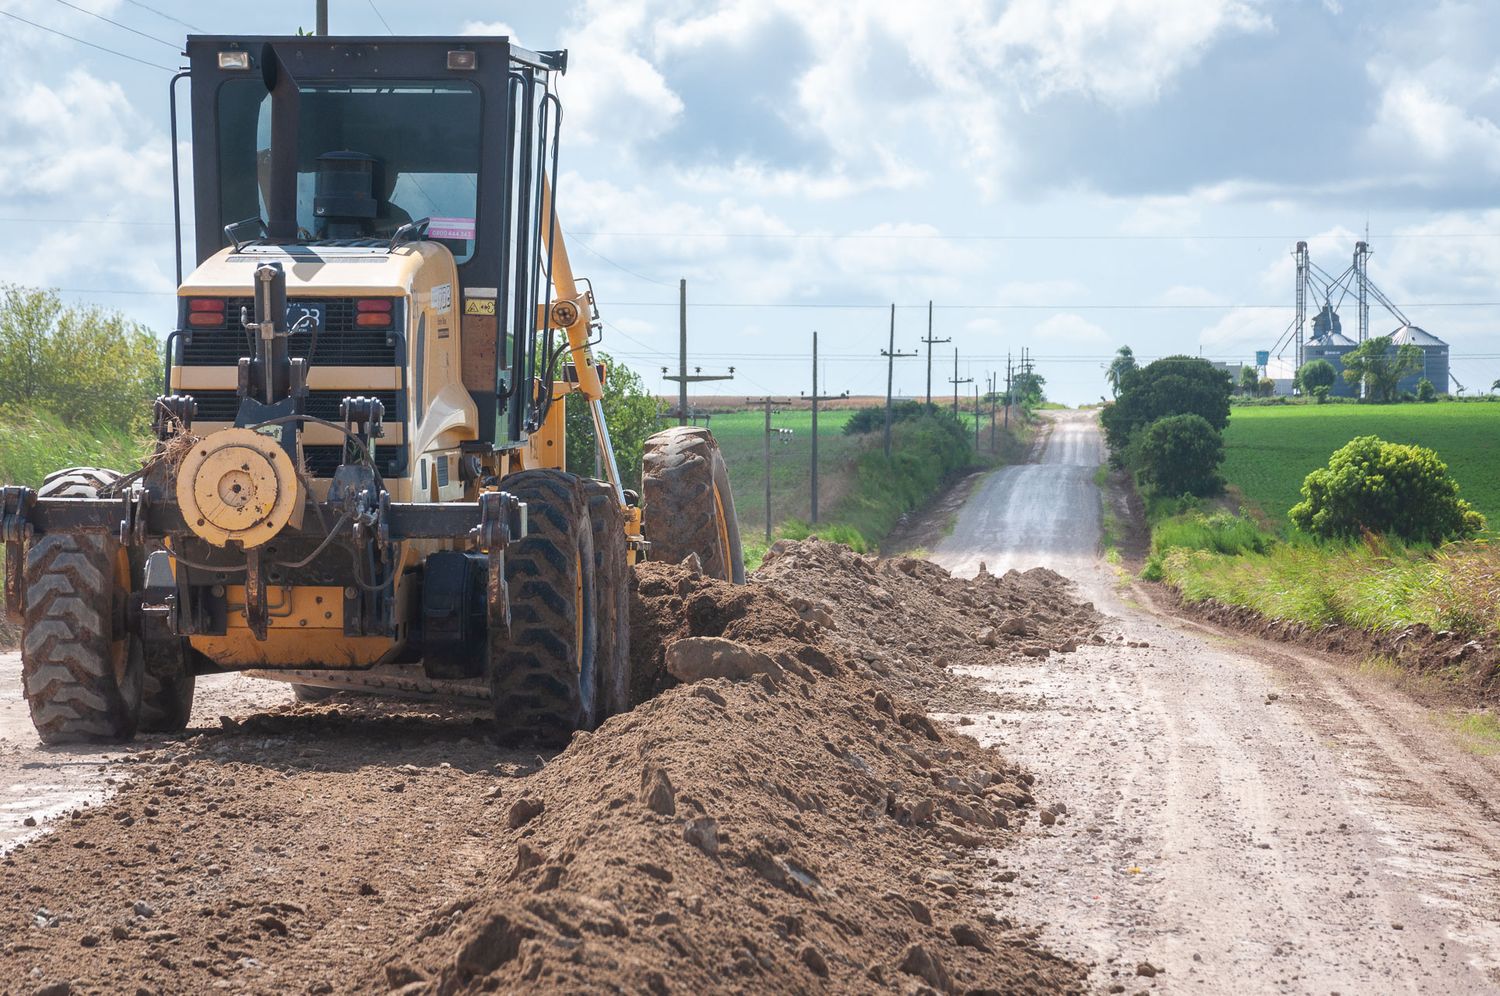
(1268, 451)
(1477, 732)
(1377, 586)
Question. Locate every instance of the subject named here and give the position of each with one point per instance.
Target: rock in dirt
(702, 833)
(1147, 970)
(926, 966)
(523, 811)
(657, 792)
(700, 657)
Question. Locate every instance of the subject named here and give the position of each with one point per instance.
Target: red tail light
(205, 311)
(373, 312)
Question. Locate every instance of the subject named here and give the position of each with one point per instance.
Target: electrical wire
(72, 38)
(123, 27)
(169, 17)
(381, 16)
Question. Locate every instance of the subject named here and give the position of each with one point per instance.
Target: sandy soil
(1244, 816)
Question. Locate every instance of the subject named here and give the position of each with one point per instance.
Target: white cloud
(492, 29)
(1070, 330)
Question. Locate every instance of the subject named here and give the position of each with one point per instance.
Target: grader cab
(358, 476)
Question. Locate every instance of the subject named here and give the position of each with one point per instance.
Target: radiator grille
(323, 460)
(223, 406)
(340, 342)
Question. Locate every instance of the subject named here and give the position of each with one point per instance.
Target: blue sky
(1066, 175)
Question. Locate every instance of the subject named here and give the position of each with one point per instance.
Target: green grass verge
(1268, 451)
(1376, 587)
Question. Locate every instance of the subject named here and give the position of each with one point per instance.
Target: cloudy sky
(1062, 175)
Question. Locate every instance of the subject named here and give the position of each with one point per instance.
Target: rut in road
(1246, 817)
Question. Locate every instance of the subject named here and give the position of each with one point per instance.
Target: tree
(1425, 391)
(1119, 368)
(1371, 485)
(85, 365)
(1315, 374)
(1026, 388)
(630, 411)
(1266, 387)
(1380, 367)
(1249, 381)
(1173, 385)
(1180, 455)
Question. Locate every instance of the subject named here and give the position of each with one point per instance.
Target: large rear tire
(80, 670)
(544, 680)
(689, 507)
(612, 580)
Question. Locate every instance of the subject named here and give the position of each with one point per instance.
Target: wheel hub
(238, 485)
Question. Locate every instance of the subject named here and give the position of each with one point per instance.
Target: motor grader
(358, 473)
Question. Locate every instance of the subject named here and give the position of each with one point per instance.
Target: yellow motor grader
(358, 480)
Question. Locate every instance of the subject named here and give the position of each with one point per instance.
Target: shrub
(87, 366)
(1425, 391)
(873, 419)
(1374, 486)
(1180, 454)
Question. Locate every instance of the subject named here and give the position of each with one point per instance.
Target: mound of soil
(806, 829)
(801, 831)
(910, 622)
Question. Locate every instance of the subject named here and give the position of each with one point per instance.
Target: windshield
(370, 158)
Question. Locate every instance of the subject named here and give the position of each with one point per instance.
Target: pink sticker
(450, 228)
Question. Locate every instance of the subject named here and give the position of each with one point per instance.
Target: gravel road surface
(1242, 816)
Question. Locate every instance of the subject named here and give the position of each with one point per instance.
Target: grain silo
(1434, 358)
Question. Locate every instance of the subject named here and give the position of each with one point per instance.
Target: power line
(621, 267)
(85, 221)
(123, 27)
(992, 237)
(169, 17)
(381, 16)
(1064, 306)
(72, 38)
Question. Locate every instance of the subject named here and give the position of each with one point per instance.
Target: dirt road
(1246, 817)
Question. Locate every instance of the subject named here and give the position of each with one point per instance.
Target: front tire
(81, 672)
(544, 679)
(689, 507)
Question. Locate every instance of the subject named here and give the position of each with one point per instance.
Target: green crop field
(740, 436)
(1268, 451)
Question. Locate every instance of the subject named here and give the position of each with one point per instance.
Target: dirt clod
(700, 657)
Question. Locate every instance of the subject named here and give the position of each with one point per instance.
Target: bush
(1222, 533)
(630, 411)
(1174, 385)
(1374, 486)
(89, 367)
(1180, 455)
(873, 419)
(1425, 391)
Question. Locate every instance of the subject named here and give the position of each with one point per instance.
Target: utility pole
(930, 340)
(1007, 391)
(815, 398)
(955, 382)
(682, 378)
(322, 19)
(994, 390)
(976, 416)
(891, 356)
(768, 402)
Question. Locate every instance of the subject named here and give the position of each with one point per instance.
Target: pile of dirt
(805, 828)
(910, 622)
(799, 831)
